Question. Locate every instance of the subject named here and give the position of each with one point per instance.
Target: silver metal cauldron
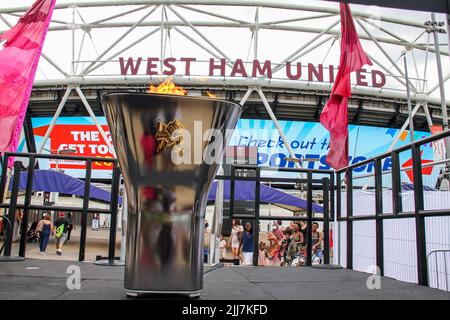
(166, 200)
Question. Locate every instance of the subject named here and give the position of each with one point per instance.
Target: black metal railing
(306, 180)
(419, 213)
(12, 206)
(325, 184)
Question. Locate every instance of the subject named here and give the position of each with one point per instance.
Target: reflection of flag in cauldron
(18, 64)
(148, 143)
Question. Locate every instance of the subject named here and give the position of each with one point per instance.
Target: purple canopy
(53, 181)
(245, 190)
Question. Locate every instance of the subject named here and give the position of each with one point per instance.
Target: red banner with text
(81, 140)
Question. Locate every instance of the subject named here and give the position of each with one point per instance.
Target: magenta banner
(19, 59)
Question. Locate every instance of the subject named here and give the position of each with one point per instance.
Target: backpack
(59, 231)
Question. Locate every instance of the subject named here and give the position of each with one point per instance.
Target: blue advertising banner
(311, 141)
(307, 139)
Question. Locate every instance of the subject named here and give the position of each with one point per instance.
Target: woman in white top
(235, 238)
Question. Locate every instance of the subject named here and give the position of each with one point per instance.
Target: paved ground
(96, 245)
(39, 279)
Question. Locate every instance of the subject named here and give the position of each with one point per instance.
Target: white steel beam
(200, 45)
(426, 63)
(94, 118)
(385, 53)
(277, 125)
(52, 63)
(161, 49)
(404, 42)
(235, 81)
(120, 15)
(387, 70)
(328, 15)
(51, 21)
(246, 96)
(212, 14)
(256, 33)
(292, 55)
(317, 45)
(118, 40)
(403, 128)
(384, 30)
(428, 116)
(437, 85)
(72, 66)
(79, 52)
(199, 33)
(416, 69)
(305, 29)
(109, 59)
(280, 66)
(301, 6)
(55, 117)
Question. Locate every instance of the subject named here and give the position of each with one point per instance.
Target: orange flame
(168, 87)
(210, 94)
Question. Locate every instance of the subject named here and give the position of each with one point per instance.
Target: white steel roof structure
(86, 40)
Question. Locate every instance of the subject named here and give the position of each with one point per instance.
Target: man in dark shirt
(304, 231)
(61, 227)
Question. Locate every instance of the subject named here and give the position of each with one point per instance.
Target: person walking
(70, 225)
(247, 244)
(60, 232)
(43, 230)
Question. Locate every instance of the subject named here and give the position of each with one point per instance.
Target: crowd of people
(285, 246)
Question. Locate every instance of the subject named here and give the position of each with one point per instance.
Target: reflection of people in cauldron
(158, 203)
(165, 244)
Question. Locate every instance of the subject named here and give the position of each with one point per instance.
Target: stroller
(31, 233)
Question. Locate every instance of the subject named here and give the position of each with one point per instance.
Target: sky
(236, 43)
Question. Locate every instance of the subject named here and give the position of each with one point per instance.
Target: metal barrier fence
(325, 184)
(437, 271)
(12, 206)
(419, 212)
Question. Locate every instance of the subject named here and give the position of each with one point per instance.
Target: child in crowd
(275, 255)
(285, 256)
(262, 257)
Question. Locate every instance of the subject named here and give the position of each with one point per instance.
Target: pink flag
(18, 63)
(334, 115)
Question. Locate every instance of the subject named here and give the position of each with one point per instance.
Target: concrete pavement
(47, 280)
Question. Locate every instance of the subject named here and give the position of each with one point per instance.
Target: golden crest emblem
(167, 136)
